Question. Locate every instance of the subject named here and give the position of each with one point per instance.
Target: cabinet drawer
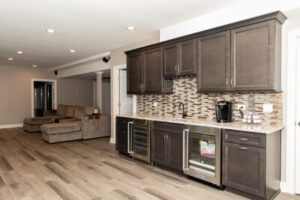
(169, 127)
(245, 138)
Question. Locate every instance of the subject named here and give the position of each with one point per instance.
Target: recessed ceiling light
(72, 51)
(130, 28)
(50, 30)
(10, 59)
(34, 66)
(20, 52)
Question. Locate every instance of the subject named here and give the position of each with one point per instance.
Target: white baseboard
(112, 140)
(11, 126)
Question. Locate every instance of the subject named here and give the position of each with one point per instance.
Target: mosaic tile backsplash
(202, 105)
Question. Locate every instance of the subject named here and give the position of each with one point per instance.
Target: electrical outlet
(241, 106)
(267, 107)
(155, 104)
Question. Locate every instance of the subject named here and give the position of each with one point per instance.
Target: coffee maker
(224, 111)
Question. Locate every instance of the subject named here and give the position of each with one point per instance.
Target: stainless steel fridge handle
(128, 137)
(185, 145)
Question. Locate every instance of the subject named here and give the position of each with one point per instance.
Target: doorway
(125, 101)
(297, 131)
(43, 96)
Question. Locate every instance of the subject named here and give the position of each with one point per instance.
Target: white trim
(114, 74)
(291, 112)
(85, 60)
(32, 90)
(11, 126)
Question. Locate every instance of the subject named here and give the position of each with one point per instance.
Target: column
(99, 90)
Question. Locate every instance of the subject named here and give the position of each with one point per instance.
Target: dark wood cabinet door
(159, 148)
(213, 61)
(253, 57)
(122, 135)
(175, 150)
(153, 71)
(244, 168)
(171, 60)
(134, 73)
(187, 53)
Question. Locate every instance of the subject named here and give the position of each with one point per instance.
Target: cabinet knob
(298, 124)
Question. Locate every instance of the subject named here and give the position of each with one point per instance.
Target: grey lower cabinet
(251, 163)
(167, 149)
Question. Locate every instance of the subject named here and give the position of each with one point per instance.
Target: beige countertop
(239, 126)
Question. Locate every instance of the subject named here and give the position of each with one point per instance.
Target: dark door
(187, 53)
(160, 148)
(122, 135)
(252, 57)
(171, 60)
(213, 61)
(175, 150)
(244, 168)
(134, 73)
(153, 68)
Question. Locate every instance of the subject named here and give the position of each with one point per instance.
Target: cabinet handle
(128, 137)
(244, 148)
(185, 145)
(231, 81)
(227, 81)
(244, 139)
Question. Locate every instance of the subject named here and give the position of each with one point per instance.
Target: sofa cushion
(69, 120)
(38, 120)
(61, 109)
(65, 127)
(89, 110)
(79, 112)
(70, 110)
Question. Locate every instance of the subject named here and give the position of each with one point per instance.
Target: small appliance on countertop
(224, 111)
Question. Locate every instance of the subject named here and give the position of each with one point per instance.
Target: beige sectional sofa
(69, 123)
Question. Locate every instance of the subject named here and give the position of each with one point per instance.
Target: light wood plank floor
(32, 169)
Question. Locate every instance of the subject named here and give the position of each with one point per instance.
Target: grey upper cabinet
(134, 73)
(213, 61)
(255, 57)
(171, 60)
(145, 73)
(154, 81)
(187, 58)
(239, 57)
(180, 59)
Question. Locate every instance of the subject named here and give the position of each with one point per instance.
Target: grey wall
(75, 92)
(118, 57)
(15, 92)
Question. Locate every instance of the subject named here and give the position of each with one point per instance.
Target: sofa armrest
(94, 128)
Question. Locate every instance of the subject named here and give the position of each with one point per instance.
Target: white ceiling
(88, 26)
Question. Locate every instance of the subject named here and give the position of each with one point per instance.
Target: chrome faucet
(184, 113)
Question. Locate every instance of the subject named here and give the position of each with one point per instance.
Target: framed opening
(43, 96)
